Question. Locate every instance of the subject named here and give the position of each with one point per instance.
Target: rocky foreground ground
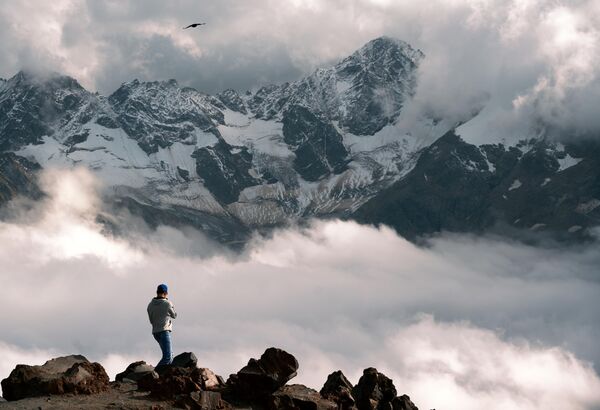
(73, 382)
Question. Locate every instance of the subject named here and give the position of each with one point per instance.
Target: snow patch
(515, 185)
(567, 162)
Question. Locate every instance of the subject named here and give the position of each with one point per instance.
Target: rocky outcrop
(299, 397)
(261, 378)
(317, 145)
(403, 403)
(536, 189)
(69, 374)
(225, 170)
(339, 389)
(187, 359)
(261, 384)
(145, 112)
(136, 371)
(374, 391)
(17, 177)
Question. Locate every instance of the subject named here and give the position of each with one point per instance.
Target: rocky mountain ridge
(326, 145)
(73, 381)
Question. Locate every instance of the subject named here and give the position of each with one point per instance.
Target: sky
(533, 61)
(514, 327)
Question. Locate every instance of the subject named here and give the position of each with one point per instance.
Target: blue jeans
(164, 340)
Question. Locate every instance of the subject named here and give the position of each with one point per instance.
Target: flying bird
(194, 25)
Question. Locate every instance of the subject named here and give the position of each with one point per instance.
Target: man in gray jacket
(160, 313)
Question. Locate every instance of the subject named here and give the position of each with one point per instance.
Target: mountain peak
(386, 46)
(50, 79)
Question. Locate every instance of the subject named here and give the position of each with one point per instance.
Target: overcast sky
(539, 57)
(515, 327)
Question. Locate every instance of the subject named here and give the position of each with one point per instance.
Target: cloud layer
(533, 64)
(483, 323)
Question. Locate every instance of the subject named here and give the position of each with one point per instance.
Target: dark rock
(69, 374)
(135, 371)
(403, 403)
(225, 172)
(17, 177)
(374, 391)
(459, 187)
(232, 100)
(172, 382)
(317, 144)
(159, 113)
(338, 389)
(201, 400)
(31, 105)
(211, 381)
(187, 359)
(262, 377)
(299, 397)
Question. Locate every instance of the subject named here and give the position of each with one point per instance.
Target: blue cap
(162, 288)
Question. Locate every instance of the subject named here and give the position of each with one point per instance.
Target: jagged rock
(232, 100)
(201, 400)
(374, 391)
(338, 389)
(173, 381)
(17, 177)
(262, 377)
(69, 374)
(146, 113)
(318, 146)
(225, 170)
(403, 403)
(187, 359)
(299, 397)
(210, 380)
(135, 371)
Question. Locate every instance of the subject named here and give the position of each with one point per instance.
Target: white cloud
(513, 324)
(532, 62)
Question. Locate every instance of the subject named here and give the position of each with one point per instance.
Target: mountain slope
(322, 146)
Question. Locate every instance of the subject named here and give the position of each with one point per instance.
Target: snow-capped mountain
(323, 145)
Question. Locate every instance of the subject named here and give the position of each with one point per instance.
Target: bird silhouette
(194, 25)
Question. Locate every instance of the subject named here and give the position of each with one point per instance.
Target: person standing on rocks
(161, 312)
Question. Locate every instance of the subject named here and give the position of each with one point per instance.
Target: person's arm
(149, 315)
(172, 312)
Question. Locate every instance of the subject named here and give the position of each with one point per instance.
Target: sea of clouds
(462, 323)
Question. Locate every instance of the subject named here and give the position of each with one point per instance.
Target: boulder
(135, 371)
(69, 374)
(210, 380)
(187, 359)
(174, 381)
(299, 397)
(262, 377)
(338, 389)
(374, 391)
(403, 403)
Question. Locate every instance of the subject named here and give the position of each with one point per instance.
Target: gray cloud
(486, 323)
(533, 64)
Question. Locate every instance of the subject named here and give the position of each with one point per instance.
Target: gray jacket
(160, 313)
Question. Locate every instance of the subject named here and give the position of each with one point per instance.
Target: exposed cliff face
(536, 186)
